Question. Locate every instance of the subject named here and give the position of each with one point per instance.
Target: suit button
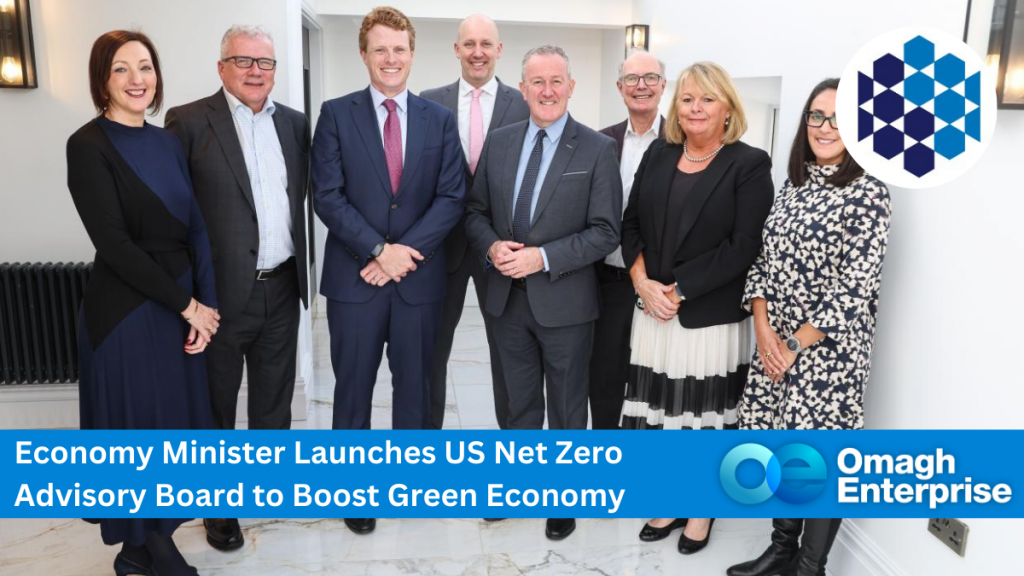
(387, 237)
(252, 252)
(393, 206)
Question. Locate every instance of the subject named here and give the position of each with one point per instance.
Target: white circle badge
(917, 107)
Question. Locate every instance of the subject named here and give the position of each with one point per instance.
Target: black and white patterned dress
(821, 263)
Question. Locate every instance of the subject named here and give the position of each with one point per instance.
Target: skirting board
(856, 554)
(46, 406)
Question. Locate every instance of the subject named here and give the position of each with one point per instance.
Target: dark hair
(103, 51)
(800, 154)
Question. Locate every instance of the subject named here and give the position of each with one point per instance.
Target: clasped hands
(660, 300)
(515, 259)
(393, 263)
(775, 356)
(203, 324)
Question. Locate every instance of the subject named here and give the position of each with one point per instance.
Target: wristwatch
(793, 343)
(377, 250)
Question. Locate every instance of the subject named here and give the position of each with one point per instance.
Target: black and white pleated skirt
(681, 378)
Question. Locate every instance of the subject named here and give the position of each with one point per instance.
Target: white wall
(599, 13)
(949, 323)
(435, 64)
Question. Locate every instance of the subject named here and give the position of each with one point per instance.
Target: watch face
(793, 344)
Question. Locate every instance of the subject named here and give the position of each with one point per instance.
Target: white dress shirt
(402, 100)
(487, 99)
(268, 178)
(633, 147)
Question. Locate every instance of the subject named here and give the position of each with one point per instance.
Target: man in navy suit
(388, 182)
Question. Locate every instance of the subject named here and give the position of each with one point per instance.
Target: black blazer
(221, 183)
(509, 108)
(618, 133)
(720, 228)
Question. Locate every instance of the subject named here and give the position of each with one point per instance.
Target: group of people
(648, 271)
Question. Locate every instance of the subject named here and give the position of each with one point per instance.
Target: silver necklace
(706, 158)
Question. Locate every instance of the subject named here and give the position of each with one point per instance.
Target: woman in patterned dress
(691, 230)
(814, 294)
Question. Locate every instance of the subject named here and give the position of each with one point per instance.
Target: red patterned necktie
(393, 145)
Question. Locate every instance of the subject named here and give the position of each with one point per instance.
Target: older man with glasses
(641, 82)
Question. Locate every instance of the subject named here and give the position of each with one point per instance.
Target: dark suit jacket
(352, 194)
(719, 230)
(509, 108)
(618, 133)
(576, 220)
(221, 182)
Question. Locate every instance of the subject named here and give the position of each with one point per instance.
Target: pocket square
(575, 173)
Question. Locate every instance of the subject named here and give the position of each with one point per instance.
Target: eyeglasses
(650, 79)
(247, 61)
(816, 119)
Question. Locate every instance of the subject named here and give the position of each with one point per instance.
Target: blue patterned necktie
(521, 216)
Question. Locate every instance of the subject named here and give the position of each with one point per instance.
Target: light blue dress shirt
(268, 178)
(402, 99)
(552, 136)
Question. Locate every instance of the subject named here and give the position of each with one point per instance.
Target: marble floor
(398, 547)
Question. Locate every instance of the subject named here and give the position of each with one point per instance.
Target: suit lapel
(661, 183)
(702, 190)
(566, 148)
(415, 136)
(286, 138)
(515, 149)
(451, 98)
(365, 119)
(223, 125)
(502, 100)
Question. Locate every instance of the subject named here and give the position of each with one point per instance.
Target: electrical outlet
(952, 533)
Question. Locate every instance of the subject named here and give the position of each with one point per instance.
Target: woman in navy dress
(150, 308)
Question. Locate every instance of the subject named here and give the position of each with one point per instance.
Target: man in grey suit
(249, 161)
(482, 104)
(546, 205)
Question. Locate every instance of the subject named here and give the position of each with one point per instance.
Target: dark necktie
(521, 216)
(393, 145)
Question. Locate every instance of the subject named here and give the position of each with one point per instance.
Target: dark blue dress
(132, 190)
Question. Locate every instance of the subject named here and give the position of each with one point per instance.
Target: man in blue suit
(388, 183)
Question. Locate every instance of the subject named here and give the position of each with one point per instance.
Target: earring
(727, 120)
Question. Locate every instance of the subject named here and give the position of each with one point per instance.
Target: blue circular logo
(792, 484)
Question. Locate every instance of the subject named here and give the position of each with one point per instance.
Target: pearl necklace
(706, 158)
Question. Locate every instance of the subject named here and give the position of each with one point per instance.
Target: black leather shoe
(651, 534)
(123, 567)
(559, 528)
(687, 546)
(224, 534)
(779, 557)
(361, 525)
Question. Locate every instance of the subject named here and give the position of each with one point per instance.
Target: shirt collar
(553, 132)
(491, 87)
(402, 99)
(234, 103)
(656, 127)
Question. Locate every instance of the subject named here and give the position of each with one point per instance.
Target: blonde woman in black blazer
(691, 230)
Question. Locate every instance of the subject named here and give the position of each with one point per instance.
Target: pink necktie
(393, 145)
(476, 130)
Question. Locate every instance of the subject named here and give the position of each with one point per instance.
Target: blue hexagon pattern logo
(921, 107)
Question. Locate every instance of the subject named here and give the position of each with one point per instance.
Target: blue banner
(506, 474)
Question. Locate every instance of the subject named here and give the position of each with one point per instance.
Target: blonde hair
(391, 18)
(713, 79)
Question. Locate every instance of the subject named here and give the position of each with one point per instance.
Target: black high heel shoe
(651, 534)
(687, 546)
(124, 567)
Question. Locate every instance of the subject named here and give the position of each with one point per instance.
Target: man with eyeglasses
(641, 83)
(249, 161)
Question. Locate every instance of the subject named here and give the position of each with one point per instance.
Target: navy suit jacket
(352, 194)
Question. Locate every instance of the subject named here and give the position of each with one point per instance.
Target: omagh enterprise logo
(917, 108)
(795, 473)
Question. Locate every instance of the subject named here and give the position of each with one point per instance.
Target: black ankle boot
(132, 560)
(819, 534)
(779, 555)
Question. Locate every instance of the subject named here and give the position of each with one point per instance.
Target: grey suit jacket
(577, 220)
(509, 108)
(221, 183)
